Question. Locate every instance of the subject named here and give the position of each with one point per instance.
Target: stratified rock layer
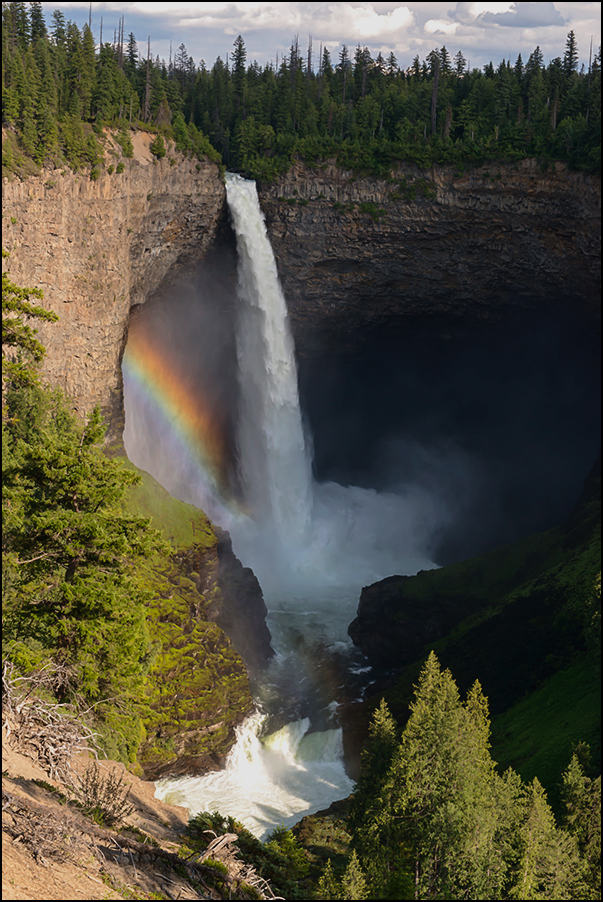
(97, 248)
(363, 256)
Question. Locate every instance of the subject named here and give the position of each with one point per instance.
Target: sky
(484, 32)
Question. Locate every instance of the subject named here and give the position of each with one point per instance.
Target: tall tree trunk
(434, 98)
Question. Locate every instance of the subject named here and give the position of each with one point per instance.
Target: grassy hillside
(530, 635)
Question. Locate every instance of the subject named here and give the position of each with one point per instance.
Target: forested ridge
(61, 85)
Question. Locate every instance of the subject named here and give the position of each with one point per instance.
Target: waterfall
(312, 546)
(274, 461)
(267, 783)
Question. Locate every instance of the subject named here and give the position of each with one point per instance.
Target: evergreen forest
(61, 85)
(432, 816)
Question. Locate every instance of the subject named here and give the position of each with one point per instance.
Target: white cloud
(483, 31)
(525, 15)
(367, 24)
(476, 9)
(433, 26)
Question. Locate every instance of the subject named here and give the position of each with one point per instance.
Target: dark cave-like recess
(500, 418)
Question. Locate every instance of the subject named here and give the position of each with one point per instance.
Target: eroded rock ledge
(365, 256)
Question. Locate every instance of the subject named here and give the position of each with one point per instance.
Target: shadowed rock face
(241, 611)
(447, 309)
(361, 260)
(364, 256)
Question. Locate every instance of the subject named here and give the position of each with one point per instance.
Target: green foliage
(125, 141)
(522, 737)
(17, 334)
(71, 592)
(280, 860)
(158, 147)
(431, 818)
(367, 115)
(582, 818)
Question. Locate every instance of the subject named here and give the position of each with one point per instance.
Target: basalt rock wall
(363, 256)
(358, 257)
(97, 248)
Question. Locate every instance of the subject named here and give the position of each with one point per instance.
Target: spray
(312, 547)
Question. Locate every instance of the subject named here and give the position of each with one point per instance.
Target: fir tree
(37, 23)
(18, 335)
(582, 800)
(570, 57)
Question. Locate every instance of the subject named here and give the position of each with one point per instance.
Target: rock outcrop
(364, 256)
(240, 609)
(512, 616)
(97, 248)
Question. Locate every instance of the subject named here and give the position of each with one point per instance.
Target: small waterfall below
(312, 546)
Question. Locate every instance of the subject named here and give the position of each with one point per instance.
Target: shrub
(104, 799)
(158, 147)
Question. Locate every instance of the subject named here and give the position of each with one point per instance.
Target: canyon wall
(364, 255)
(357, 256)
(97, 248)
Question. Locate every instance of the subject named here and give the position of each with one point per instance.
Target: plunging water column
(312, 548)
(273, 460)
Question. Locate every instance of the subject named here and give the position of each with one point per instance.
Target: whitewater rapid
(312, 546)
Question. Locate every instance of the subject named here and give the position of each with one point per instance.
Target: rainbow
(152, 375)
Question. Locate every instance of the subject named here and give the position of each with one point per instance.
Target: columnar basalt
(359, 254)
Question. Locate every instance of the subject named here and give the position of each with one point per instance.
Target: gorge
(444, 322)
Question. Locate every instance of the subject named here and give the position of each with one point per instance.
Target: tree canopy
(70, 589)
(431, 817)
(369, 113)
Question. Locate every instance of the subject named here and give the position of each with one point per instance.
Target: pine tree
(17, 334)
(460, 64)
(158, 147)
(37, 23)
(582, 799)
(353, 882)
(59, 30)
(447, 791)
(131, 55)
(570, 57)
(87, 81)
(239, 58)
(549, 866)
(328, 886)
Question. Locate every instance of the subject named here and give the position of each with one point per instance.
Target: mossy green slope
(198, 688)
(529, 630)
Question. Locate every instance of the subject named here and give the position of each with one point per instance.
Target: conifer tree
(239, 58)
(59, 29)
(570, 57)
(446, 799)
(353, 882)
(549, 866)
(371, 814)
(18, 334)
(37, 23)
(582, 799)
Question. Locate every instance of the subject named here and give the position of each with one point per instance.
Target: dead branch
(46, 731)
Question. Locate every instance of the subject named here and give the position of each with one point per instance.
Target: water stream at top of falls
(312, 546)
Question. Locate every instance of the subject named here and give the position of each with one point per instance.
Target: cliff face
(96, 248)
(357, 257)
(362, 256)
